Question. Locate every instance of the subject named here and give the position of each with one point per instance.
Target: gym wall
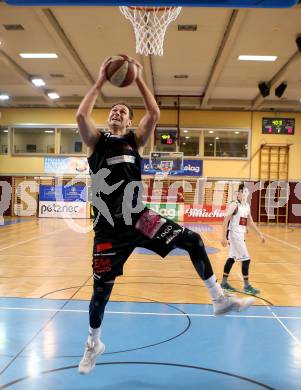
(213, 167)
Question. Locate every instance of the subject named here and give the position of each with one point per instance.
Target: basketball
(121, 71)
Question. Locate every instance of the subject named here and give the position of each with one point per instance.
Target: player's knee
(102, 290)
(245, 267)
(230, 261)
(192, 240)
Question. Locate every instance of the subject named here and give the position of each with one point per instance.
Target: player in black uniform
(122, 222)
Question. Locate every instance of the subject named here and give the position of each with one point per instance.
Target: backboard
(166, 162)
(162, 3)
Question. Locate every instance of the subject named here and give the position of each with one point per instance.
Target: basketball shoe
(88, 361)
(251, 290)
(227, 286)
(229, 303)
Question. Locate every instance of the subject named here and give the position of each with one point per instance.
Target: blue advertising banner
(65, 194)
(51, 193)
(74, 193)
(69, 165)
(191, 167)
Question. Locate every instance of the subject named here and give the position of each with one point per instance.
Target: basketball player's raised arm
(150, 119)
(86, 125)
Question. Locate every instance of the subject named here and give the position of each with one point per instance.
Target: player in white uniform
(237, 219)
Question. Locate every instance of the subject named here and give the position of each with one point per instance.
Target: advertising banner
(62, 201)
(61, 209)
(204, 213)
(168, 210)
(66, 165)
(191, 167)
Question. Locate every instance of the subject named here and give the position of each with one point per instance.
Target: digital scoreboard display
(167, 139)
(278, 126)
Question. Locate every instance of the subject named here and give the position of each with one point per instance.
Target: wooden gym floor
(45, 258)
(158, 330)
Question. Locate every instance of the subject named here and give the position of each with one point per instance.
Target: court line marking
(273, 316)
(284, 326)
(44, 326)
(32, 239)
(41, 256)
(283, 242)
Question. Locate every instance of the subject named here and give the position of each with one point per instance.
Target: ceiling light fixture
(53, 95)
(38, 55)
(257, 58)
(4, 96)
(37, 81)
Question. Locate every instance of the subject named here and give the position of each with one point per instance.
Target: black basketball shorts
(112, 247)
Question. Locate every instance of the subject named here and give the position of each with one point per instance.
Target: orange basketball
(121, 71)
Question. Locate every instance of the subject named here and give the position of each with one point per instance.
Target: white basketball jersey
(238, 221)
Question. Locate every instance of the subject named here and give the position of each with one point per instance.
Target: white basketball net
(150, 26)
(166, 166)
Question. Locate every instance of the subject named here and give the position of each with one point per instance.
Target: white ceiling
(84, 36)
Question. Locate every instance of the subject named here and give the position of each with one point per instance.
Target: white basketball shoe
(229, 303)
(88, 361)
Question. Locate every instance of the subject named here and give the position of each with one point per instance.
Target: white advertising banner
(61, 209)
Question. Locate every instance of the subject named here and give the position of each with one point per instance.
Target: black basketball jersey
(119, 155)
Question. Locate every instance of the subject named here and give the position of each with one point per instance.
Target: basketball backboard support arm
(161, 3)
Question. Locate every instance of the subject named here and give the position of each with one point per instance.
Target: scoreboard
(278, 126)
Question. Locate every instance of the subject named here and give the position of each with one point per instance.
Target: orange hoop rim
(150, 9)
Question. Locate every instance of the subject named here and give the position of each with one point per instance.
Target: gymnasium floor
(159, 330)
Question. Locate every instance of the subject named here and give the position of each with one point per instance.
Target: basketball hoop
(166, 166)
(150, 24)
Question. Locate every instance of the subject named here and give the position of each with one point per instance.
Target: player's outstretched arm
(224, 240)
(229, 212)
(150, 119)
(87, 127)
(252, 225)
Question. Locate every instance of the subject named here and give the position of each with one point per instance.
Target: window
(193, 142)
(33, 140)
(166, 139)
(226, 143)
(71, 142)
(3, 141)
(190, 142)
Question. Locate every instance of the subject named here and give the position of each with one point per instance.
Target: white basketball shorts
(238, 249)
